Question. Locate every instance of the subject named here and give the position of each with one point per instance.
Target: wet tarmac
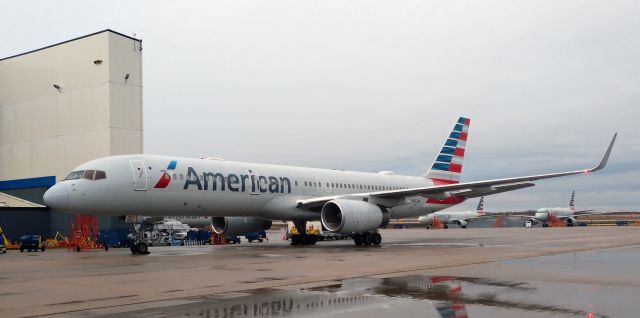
(425, 295)
(522, 273)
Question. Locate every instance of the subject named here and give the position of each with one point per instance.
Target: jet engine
(238, 225)
(462, 223)
(572, 221)
(352, 216)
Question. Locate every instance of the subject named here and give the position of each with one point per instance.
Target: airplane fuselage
(449, 217)
(544, 214)
(159, 185)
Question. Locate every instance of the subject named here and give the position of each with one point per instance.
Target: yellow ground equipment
(57, 241)
(8, 244)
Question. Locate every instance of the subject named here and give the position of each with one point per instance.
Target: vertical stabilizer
(447, 167)
(572, 202)
(480, 208)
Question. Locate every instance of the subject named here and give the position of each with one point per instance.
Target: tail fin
(447, 167)
(480, 208)
(572, 201)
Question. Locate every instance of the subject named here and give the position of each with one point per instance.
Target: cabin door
(139, 175)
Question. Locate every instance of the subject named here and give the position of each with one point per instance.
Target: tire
(463, 226)
(358, 239)
(43, 248)
(142, 248)
(260, 240)
(250, 241)
(376, 239)
(445, 227)
(106, 248)
(78, 249)
(133, 249)
(367, 238)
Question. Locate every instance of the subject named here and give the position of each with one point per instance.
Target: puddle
(405, 296)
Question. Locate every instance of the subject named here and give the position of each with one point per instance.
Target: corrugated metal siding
(46, 132)
(70, 65)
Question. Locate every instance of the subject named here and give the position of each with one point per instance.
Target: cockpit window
(100, 175)
(75, 175)
(88, 174)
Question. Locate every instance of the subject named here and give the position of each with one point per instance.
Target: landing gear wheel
(140, 248)
(545, 225)
(445, 226)
(463, 226)
(376, 238)
(358, 239)
(295, 239)
(367, 239)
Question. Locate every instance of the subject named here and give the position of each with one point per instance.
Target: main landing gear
(367, 238)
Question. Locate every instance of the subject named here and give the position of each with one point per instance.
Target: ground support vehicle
(31, 242)
(259, 236)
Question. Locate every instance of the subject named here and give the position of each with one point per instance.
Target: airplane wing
(466, 189)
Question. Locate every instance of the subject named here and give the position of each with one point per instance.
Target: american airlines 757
(245, 197)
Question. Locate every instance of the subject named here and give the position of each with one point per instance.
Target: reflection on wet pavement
(406, 296)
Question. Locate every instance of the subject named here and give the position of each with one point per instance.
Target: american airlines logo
(236, 182)
(166, 177)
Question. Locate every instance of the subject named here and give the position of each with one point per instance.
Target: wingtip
(605, 158)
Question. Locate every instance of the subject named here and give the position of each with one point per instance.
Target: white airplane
(569, 214)
(460, 218)
(244, 197)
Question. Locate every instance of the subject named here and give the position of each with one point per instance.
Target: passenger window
(296, 183)
(100, 175)
(88, 174)
(75, 175)
(175, 177)
(305, 183)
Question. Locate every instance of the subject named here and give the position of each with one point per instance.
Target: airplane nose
(57, 197)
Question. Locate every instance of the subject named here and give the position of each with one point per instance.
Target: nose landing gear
(140, 248)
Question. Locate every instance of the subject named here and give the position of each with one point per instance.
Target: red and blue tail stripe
(447, 167)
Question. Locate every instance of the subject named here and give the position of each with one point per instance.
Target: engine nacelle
(572, 221)
(352, 216)
(462, 223)
(238, 225)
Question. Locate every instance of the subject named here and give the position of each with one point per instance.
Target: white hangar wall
(95, 113)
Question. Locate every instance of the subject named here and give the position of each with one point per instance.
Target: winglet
(605, 158)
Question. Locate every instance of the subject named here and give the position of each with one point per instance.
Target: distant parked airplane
(452, 217)
(544, 215)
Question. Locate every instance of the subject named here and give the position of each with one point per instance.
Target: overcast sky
(377, 85)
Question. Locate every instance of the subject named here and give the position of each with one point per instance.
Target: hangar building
(60, 106)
